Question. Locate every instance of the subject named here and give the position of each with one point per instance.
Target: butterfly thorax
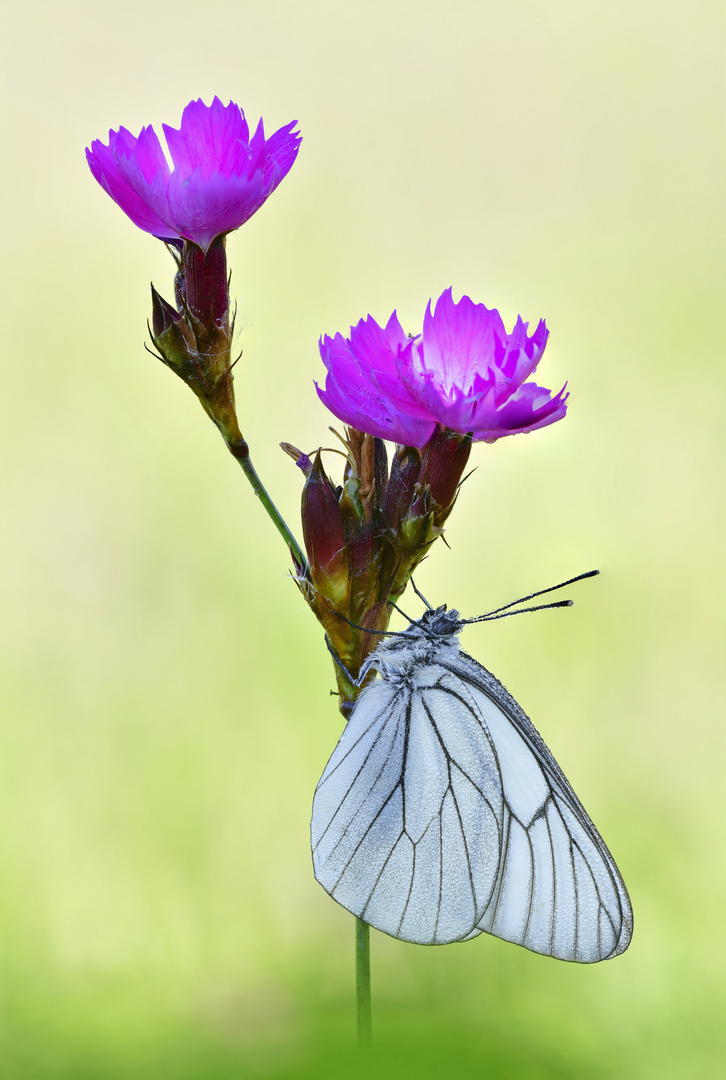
(434, 636)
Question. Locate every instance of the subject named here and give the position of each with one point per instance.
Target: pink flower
(220, 178)
(464, 372)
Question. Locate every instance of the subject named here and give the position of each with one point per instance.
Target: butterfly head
(437, 622)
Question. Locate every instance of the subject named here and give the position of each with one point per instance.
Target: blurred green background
(165, 707)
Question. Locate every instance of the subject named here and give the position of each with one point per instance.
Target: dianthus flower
(221, 176)
(464, 372)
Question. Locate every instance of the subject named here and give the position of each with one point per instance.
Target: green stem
(363, 981)
(241, 452)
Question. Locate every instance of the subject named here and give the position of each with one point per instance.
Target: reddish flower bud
(163, 315)
(399, 491)
(444, 460)
(380, 468)
(323, 524)
(361, 553)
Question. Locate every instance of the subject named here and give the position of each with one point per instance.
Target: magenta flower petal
(460, 340)
(135, 174)
(351, 396)
(520, 358)
(279, 154)
(220, 176)
(214, 138)
(377, 352)
(466, 367)
(529, 408)
(204, 207)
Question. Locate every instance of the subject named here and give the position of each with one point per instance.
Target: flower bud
(380, 470)
(323, 534)
(444, 460)
(414, 531)
(361, 557)
(163, 315)
(399, 491)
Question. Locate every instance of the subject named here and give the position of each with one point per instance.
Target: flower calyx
(365, 536)
(194, 338)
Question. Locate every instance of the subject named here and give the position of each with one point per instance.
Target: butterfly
(442, 814)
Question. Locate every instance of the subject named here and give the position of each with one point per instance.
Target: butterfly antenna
(519, 611)
(379, 633)
(397, 608)
(531, 596)
(420, 595)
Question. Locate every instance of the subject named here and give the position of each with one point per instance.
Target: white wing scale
(442, 814)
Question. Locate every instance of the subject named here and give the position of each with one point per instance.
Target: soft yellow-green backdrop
(165, 708)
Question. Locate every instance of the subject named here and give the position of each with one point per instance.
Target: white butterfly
(441, 814)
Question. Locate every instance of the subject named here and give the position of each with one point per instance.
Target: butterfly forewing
(355, 791)
(442, 814)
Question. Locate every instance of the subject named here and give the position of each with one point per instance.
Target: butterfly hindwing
(560, 892)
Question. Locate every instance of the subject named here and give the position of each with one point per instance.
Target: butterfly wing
(402, 835)
(442, 814)
(559, 891)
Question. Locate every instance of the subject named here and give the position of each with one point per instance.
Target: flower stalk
(241, 453)
(363, 982)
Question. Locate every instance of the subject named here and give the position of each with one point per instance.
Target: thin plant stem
(363, 981)
(241, 452)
